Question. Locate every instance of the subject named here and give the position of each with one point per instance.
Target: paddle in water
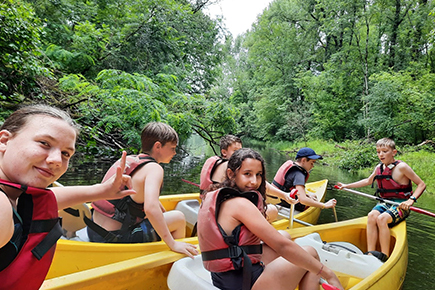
(413, 208)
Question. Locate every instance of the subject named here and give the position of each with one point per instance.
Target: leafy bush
(358, 156)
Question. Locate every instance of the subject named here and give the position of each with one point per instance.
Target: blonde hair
(386, 142)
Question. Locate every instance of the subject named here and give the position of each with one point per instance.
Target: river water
(187, 165)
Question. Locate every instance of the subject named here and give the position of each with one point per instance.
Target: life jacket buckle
(234, 252)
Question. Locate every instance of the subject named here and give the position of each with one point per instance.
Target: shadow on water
(187, 165)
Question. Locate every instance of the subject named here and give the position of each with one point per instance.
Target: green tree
(20, 63)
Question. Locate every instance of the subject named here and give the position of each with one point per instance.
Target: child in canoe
(239, 247)
(140, 218)
(294, 174)
(394, 179)
(215, 167)
(36, 144)
(214, 171)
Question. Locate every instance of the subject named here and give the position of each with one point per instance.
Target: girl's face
(39, 153)
(249, 176)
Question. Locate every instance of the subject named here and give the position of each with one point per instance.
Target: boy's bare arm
(306, 200)
(220, 172)
(272, 190)
(407, 172)
(152, 184)
(360, 183)
(154, 211)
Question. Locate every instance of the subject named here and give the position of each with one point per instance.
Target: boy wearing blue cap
(293, 175)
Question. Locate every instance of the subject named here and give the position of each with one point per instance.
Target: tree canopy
(326, 69)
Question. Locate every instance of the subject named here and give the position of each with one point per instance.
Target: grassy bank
(360, 156)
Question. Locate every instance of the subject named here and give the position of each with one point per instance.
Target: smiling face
(386, 154)
(249, 176)
(39, 153)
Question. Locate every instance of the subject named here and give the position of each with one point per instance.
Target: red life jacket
(387, 187)
(207, 171)
(279, 179)
(124, 210)
(26, 259)
(221, 253)
(115, 209)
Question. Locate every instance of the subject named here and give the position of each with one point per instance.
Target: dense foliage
(116, 65)
(339, 70)
(334, 70)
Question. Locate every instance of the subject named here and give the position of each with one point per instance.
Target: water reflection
(187, 165)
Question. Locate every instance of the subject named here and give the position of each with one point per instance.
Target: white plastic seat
(189, 274)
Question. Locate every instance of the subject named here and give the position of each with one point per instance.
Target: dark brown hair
(227, 140)
(18, 119)
(157, 132)
(234, 164)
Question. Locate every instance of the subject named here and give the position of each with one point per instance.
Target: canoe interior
(72, 256)
(150, 271)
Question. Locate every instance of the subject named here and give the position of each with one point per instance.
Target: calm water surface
(187, 165)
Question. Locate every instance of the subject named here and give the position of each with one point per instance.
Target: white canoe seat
(189, 274)
(72, 220)
(341, 257)
(190, 209)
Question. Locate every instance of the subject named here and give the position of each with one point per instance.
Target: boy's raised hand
(120, 184)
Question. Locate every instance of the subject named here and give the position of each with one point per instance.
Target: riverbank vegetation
(348, 72)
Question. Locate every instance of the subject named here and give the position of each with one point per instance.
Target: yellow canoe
(151, 271)
(73, 256)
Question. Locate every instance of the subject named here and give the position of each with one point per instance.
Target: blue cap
(309, 153)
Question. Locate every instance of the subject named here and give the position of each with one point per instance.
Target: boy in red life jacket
(293, 175)
(140, 218)
(214, 172)
(36, 144)
(394, 179)
(214, 169)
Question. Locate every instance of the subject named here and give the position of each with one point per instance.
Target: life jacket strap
(234, 252)
(54, 229)
(231, 252)
(105, 234)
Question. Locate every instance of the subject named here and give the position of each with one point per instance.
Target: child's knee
(271, 212)
(285, 234)
(373, 215)
(312, 251)
(384, 219)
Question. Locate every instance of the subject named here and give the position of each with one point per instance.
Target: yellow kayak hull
(73, 256)
(151, 271)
